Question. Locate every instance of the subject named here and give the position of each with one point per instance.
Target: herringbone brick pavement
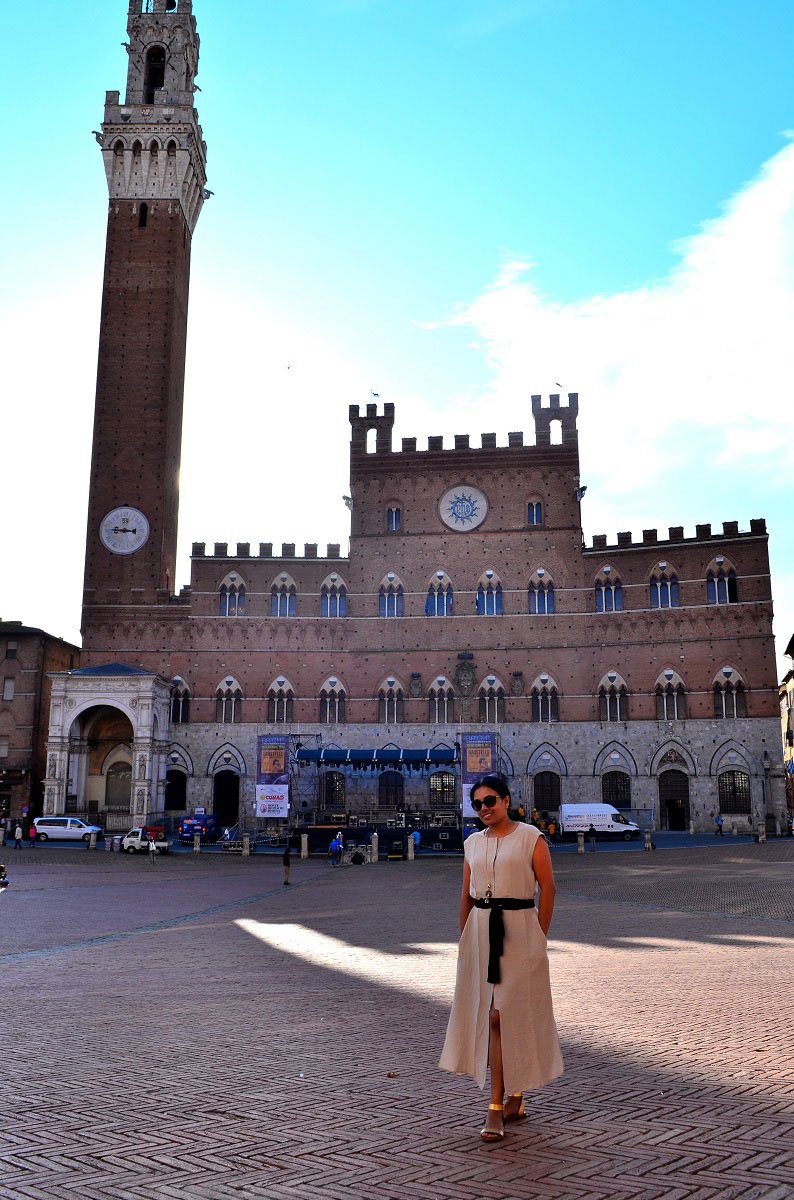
(192, 1029)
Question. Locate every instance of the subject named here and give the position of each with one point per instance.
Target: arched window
(391, 703)
(616, 789)
(733, 789)
(175, 791)
(280, 700)
(546, 791)
(544, 702)
(332, 702)
(730, 700)
(534, 512)
(333, 791)
(442, 789)
(231, 597)
(489, 596)
(540, 594)
(613, 699)
(441, 700)
(665, 592)
(154, 75)
(721, 585)
(439, 597)
(118, 148)
(229, 703)
(394, 518)
(608, 591)
(492, 701)
(391, 601)
(180, 704)
(333, 597)
(283, 598)
(391, 789)
(670, 700)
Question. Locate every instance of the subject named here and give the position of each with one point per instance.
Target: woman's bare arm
(541, 865)
(466, 901)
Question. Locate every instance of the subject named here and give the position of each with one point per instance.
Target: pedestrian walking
(718, 824)
(592, 835)
(152, 847)
(17, 836)
(285, 858)
(31, 837)
(502, 1012)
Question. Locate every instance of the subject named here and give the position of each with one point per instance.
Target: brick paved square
(193, 1029)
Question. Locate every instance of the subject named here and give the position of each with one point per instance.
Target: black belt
(496, 928)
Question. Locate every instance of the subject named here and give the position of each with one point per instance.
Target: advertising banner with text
(478, 757)
(272, 776)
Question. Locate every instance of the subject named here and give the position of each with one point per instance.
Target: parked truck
(605, 819)
(139, 838)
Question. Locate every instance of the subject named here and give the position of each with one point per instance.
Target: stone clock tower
(155, 162)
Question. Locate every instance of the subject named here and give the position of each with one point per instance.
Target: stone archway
(226, 798)
(674, 799)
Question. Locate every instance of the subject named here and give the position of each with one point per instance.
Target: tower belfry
(155, 162)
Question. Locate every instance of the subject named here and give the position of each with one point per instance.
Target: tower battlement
(564, 415)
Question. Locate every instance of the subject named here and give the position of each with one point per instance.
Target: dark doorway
(226, 798)
(546, 791)
(674, 800)
(175, 791)
(391, 789)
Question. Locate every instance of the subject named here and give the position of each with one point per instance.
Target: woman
(502, 1015)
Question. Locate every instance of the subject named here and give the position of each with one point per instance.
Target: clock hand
(118, 529)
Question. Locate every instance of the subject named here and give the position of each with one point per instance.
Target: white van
(70, 828)
(605, 819)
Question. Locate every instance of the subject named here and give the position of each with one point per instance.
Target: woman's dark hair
(495, 782)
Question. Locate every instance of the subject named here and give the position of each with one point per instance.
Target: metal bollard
(580, 846)
(735, 829)
(304, 845)
(92, 842)
(197, 843)
(761, 834)
(410, 848)
(691, 827)
(648, 841)
(246, 845)
(374, 847)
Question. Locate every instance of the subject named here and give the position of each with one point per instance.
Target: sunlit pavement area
(192, 1028)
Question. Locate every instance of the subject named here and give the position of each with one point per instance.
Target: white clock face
(463, 508)
(124, 530)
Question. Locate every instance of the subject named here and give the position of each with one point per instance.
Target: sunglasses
(486, 802)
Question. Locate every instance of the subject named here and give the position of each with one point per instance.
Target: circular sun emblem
(463, 508)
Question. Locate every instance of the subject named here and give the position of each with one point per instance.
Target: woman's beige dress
(530, 1046)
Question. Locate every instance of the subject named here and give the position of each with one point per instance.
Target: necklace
(489, 891)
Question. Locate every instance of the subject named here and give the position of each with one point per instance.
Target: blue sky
(454, 203)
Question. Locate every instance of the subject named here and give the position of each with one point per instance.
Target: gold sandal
(490, 1134)
(515, 1102)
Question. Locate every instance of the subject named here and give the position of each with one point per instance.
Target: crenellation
(488, 441)
(515, 439)
(461, 441)
(435, 444)
(649, 535)
(676, 533)
(243, 549)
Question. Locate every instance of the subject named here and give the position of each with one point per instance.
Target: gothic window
(534, 512)
(332, 702)
(616, 789)
(154, 76)
(546, 791)
(231, 598)
(544, 703)
(180, 704)
(670, 702)
(540, 594)
(171, 148)
(333, 791)
(391, 600)
(175, 791)
(665, 592)
(439, 597)
(394, 518)
(733, 789)
(608, 591)
(118, 148)
(391, 703)
(333, 597)
(442, 789)
(730, 701)
(441, 700)
(489, 596)
(283, 598)
(613, 700)
(280, 702)
(492, 701)
(391, 790)
(721, 586)
(229, 703)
